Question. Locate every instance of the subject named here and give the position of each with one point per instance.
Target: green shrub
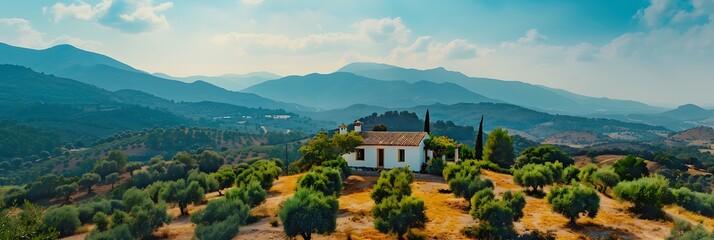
(499, 148)
(309, 211)
(648, 194)
(630, 168)
(570, 173)
(25, 224)
(396, 182)
(533, 176)
(220, 219)
(340, 164)
(120, 232)
(252, 193)
(101, 220)
(571, 201)
(701, 203)
(683, 230)
(324, 179)
(435, 167)
(394, 215)
(541, 155)
(65, 219)
(604, 178)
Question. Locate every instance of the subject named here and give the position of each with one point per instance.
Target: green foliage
(480, 198)
(146, 217)
(133, 197)
(251, 193)
(186, 159)
(23, 140)
(263, 171)
(120, 232)
(112, 179)
(119, 157)
(541, 155)
(648, 194)
(571, 201)
(45, 187)
(701, 203)
(307, 212)
(142, 179)
(323, 179)
(323, 148)
(119, 218)
(25, 222)
(133, 166)
(66, 190)
(182, 193)
(516, 201)
(209, 161)
(586, 172)
(441, 145)
(683, 230)
(604, 178)
(464, 179)
(89, 209)
(394, 215)
(396, 182)
(340, 164)
(435, 167)
(534, 176)
(88, 180)
(225, 176)
(495, 220)
(499, 148)
(483, 164)
(379, 128)
(104, 168)
(65, 219)
(220, 219)
(101, 220)
(206, 181)
(478, 143)
(570, 173)
(631, 168)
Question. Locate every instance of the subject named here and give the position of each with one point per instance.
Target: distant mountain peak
(361, 66)
(691, 107)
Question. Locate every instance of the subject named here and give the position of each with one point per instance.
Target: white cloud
(251, 2)
(19, 32)
(379, 30)
(132, 16)
(426, 48)
(369, 31)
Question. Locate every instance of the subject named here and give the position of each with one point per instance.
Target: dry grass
(447, 214)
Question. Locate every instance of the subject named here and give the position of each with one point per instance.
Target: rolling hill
(233, 82)
(339, 90)
(105, 72)
(537, 125)
(81, 111)
(519, 93)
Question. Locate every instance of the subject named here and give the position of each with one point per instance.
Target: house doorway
(380, 158)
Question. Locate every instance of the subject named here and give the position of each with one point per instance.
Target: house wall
(414, 157)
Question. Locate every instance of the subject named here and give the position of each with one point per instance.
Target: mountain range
(107, 73)
(357, 84)
(519, 93)
(233, 82)
(341, 89)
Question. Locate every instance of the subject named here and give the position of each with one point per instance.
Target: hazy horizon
(653, 51)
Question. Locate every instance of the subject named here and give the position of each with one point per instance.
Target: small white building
(387, 150)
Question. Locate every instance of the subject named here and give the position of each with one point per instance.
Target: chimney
(358, 126)
(343, 129)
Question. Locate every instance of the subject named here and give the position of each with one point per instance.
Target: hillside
(79, 111)
(447, 214)
(514, 92)
(339, 90)
(694, 134)
(537, 124)
(105, 72)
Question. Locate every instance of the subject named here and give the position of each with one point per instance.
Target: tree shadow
(596, 231)
(535, 193)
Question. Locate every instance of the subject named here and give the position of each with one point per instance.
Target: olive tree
(397, 216)
(65, 219)
(534, 176)
(88, 180)
(307, 212)
(571, 201)
(604, 178)
(648, 194)
(183, 194)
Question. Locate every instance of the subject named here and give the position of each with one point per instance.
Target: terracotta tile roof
(392, 138)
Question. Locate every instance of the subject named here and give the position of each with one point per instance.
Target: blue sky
(656, 51)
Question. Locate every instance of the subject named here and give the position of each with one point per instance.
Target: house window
(401, 155)
(360, 154)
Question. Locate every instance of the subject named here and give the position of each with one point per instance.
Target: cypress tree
(426, 123)
(478, 147)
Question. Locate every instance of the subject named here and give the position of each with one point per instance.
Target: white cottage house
(387, 150)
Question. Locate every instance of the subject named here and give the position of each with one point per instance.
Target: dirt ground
(447, 214)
